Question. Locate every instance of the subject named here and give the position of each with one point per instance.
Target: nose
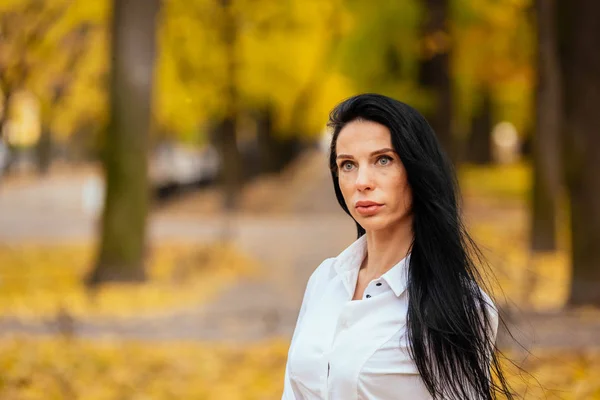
(364, 179)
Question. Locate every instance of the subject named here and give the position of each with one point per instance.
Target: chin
(382, 221)
(373, 223)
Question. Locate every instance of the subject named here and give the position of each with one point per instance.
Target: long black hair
(448, 322)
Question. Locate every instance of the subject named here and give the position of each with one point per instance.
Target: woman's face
(371, 176)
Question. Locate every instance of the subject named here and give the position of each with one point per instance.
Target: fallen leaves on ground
(41, 281)
(36, 369)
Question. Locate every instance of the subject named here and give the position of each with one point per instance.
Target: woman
(399, 314)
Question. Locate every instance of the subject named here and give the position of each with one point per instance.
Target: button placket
(377, 291)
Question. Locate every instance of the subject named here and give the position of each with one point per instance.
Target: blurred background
(165, 193)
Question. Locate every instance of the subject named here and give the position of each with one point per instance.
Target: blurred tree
(434, 71)
(479, 144)
(288, 52)
(271, 61)
(478, 52)
(191, 69)
(546, 154)
(58, 88)
(580, 62)
(72, 84)
(269, 148)
(379, 51)
(226, 135)
(43, 43)
(278, 144)
(123, 237)
(493, 56)
(22, 28)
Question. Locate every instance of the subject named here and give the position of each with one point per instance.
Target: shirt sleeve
(288, 393)
(492, 312)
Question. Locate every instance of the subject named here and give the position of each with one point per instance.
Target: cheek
(406, 194)
(346, 190)
(400, 191)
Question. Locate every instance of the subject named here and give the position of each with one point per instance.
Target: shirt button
(368, 296)
(378, 283)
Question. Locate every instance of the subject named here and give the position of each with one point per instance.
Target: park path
(289, 244)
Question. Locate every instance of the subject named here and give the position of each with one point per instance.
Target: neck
(387, 247)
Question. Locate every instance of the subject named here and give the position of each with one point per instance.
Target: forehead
(363, 136)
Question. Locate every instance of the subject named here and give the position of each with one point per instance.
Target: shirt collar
(348, 262)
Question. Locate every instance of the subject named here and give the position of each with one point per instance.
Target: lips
(367, 208)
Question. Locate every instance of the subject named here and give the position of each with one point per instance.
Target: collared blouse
(344, 349)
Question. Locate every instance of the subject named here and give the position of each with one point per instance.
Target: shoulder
(322, 273)
(318, 279)
(482, 298)
(489, 303)
(491, 310)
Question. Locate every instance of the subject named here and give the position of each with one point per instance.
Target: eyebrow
(375, 153)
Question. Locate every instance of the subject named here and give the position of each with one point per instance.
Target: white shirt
(354, 350)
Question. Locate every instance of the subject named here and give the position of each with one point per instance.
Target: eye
(346, 166)
(384, 160)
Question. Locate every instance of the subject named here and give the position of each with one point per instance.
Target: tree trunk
(581, 77)
(230, 165)
(123, 237)
(479, 146)
(434, 72)
(4, 114)
(545, 141)
(268, 146)
(227, 136)
(44, 152)
(8, 163)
